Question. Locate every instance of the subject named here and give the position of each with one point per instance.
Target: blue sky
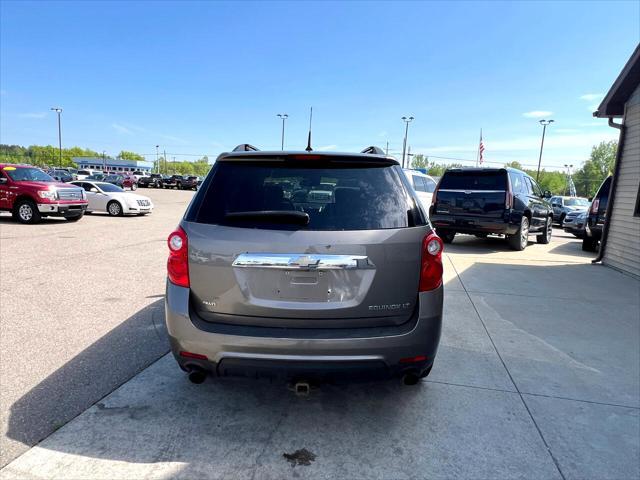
(200, 77)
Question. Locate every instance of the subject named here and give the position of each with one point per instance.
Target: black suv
(596, 217)
(483, 201)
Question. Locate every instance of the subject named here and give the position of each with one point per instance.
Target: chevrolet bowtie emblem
(304, 261)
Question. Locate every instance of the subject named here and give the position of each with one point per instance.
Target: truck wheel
(545, 237)
(519, 240)
(179, 186)
(446, 235)
(74, 218)
(134, 186)
(114, 208)
(26, 211)
(589, 244)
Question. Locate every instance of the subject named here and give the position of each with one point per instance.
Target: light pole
(407, 121)
(58, 110)
(104, 161)
(567, 187)
(283, 116)
(544, 124)
(157, 159)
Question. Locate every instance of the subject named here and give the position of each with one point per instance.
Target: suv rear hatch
(478, 193)
(266, 250)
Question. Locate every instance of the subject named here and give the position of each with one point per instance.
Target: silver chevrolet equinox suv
(306, 267)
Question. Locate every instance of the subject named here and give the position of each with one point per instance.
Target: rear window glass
(335, 198)
(474, 181)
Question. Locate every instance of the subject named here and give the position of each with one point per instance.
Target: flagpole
(478, 155)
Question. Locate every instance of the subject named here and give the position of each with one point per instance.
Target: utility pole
(157, 159)
(283, 116)
(104, 161)
(166, 164)
(544, 124)
(58, 110)
(406, 134)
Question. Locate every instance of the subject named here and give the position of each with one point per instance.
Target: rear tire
(134, 186)
(446, 235)
(545, 237)
(26, 211)
(519, 240)
(589, 244)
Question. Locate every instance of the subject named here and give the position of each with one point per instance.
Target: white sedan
(109, 198)
(424, 185)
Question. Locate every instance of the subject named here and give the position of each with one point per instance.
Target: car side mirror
(3, 180)
(547, 194)
(94, 190)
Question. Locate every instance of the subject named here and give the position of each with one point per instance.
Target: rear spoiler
(247, 152)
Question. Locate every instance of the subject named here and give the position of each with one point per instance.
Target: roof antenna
(309, 149)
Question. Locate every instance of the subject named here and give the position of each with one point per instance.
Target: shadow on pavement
(574, 248)
(471, 244)
(98, 370)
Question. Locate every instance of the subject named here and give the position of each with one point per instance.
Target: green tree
(514, 164)
(419, 161)
(599, 166)
(126, 155)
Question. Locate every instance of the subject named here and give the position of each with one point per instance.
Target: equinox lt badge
(391, 306)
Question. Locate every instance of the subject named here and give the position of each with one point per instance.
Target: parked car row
(180, 182)
(30, 194)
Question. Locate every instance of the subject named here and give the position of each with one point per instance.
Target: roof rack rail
(245, 147)
(373, 150)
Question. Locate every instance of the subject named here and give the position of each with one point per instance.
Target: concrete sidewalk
(538, 376)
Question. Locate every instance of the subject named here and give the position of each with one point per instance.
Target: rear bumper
(473, 224)
(62, 209)
(236, 350)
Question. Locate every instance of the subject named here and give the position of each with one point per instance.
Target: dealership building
(112, 164)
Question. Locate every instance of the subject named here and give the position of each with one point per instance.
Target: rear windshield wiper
(270, 216)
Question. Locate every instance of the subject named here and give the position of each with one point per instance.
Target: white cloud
(590, 97)
(33, 115)
(327, 148)
(121, 129)
(537, 114)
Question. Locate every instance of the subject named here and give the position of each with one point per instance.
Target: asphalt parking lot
(538, 373)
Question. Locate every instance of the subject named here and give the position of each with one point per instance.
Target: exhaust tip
(197, 376)
(302, 389)
(410, 378)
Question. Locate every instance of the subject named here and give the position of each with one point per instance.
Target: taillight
(178, 262)
(431, 265)
(508, 198)
(595, 205)
(508, 202)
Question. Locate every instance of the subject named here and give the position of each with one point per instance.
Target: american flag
(481, 150)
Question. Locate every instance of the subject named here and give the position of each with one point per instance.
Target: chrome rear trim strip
(297, 261)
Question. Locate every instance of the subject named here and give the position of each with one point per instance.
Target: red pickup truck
(30, 194)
